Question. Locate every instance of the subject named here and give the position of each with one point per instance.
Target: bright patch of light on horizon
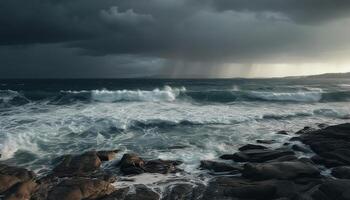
(281, 70)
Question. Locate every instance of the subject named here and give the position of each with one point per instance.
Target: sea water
(187, 120)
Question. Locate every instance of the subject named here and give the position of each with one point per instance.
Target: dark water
(188, 120)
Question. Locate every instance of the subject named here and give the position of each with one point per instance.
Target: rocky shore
(256, 171)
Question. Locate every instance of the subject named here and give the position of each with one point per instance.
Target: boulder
(305, 130)
(183, 191)
(282, 133)
(266, 141)
(218, 166)
(251, 146)
(341, 172)
(107, 155)
(299, 148)
(258, 155)
(78, 165)
(222, 188)
(132, 164)
(280, 170)
(161, 166)
(326, 162)
(333, 189)
(331, 144)
(135, 192)
(284, 158)
(9, 176)
(225, 187)
(21, 191)
(80, 188)
(232, 188)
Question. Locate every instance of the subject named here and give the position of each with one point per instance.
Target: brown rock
(77, 165)
(21, 191)
(161, 166)
(138, 192)
(107, 155)
(80, 188)
(131, 164)
(9, 176)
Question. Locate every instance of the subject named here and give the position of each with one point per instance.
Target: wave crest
(285, 96)
(167, 93)
(12, 98)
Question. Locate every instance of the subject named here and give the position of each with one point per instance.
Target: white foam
(344, 85)
(333, 113)
(314, 96)
(166, 94)
(14, 143)
(8, 95)
(48, 130)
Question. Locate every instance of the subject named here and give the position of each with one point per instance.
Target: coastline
(315, 164)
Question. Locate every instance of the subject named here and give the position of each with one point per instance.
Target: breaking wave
(166, 94)
(170, 94)
(288, 96)
(12, 98)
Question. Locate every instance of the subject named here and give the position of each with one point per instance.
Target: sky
(173, 38)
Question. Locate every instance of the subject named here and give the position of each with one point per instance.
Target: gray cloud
(182, 34)
(305, 11)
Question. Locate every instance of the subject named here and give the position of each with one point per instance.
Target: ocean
(187, 120)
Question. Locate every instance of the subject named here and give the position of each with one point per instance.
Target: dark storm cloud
(302, 11)
(178, 31)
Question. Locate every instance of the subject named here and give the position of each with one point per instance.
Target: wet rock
(80, 188)
(227, 157)
(161, 166)
(78, 165)
(132, 164)
(326, 162)
(135, 192)
(251, 146)
(333, 189)
(9, 176)
(322, 125)
(341, 172)
(223, 187)
(342, 155)
(183, 191)
(305, 130)
(284, 158)
(299, 148)
(331, 144)
(280, 170)
(218, 166)
(21, 191)
(266, 141)
(107, 155)
(237, 188)
(258, 155)
(282, 133)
